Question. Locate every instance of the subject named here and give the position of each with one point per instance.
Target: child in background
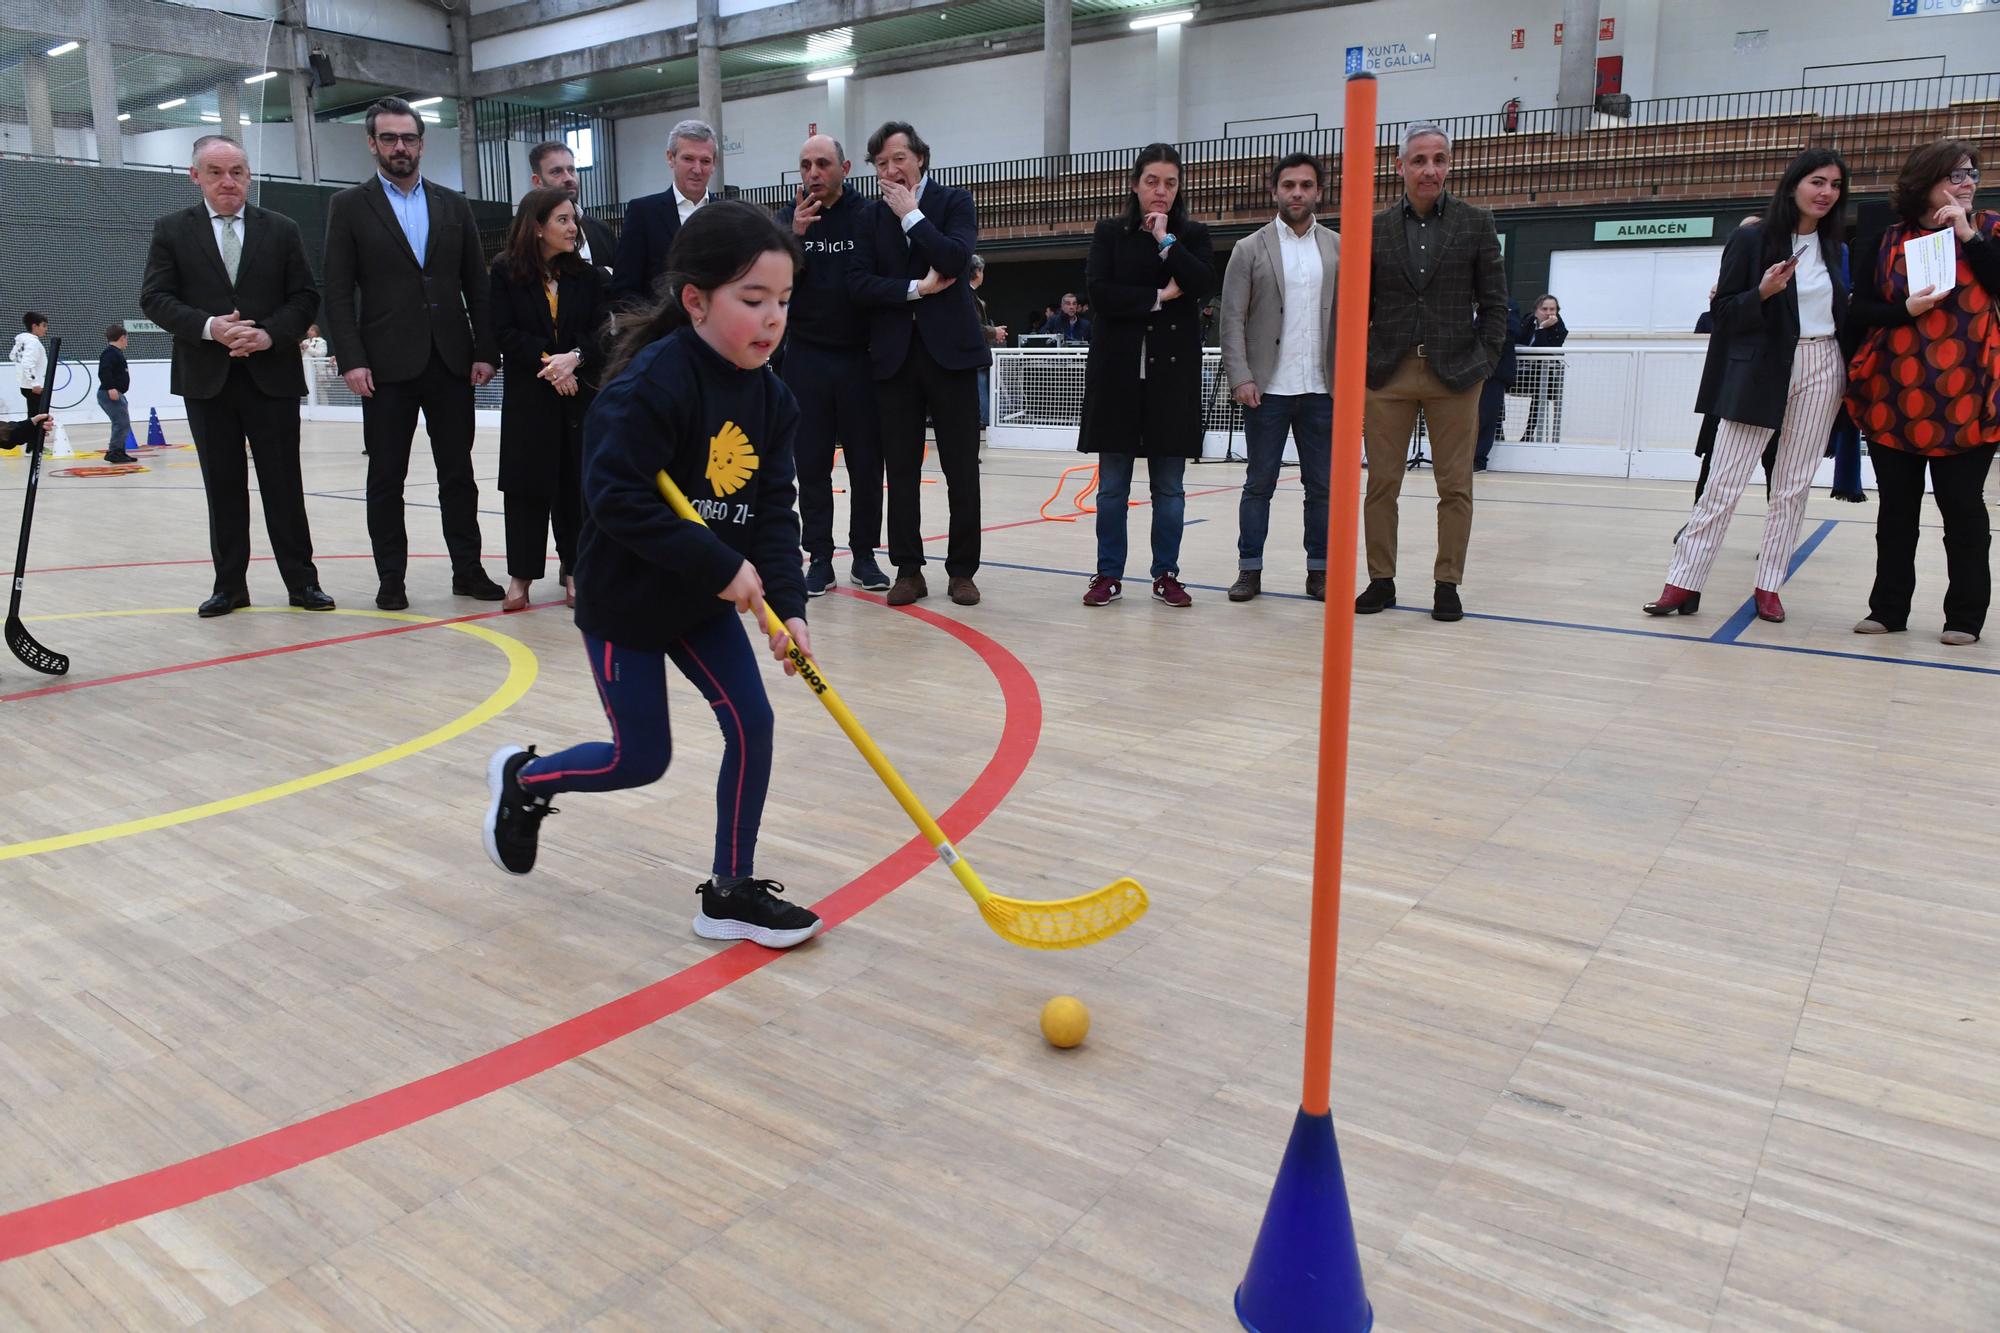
(31, 362)
(688, 392)
(114, 382)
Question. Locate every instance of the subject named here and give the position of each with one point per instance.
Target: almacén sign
(1655, 229)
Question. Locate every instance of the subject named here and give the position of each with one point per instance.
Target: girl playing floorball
(688, 393)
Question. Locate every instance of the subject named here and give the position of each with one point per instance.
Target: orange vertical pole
(1350, 363)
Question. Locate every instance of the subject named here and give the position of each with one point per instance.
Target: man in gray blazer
(1277, 322)
(1437, 320)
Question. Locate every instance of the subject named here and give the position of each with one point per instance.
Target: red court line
(67, 686)
(76, 1216)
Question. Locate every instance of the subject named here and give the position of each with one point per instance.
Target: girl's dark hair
(524, 247)
(1922, 169)
(714, 247)
(1781, 215)
(1150, 154)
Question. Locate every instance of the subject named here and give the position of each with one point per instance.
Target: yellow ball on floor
(1065, 1021)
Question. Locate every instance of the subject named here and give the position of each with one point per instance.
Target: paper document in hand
(1932, 261)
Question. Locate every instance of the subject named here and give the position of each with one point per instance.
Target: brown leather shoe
(908, 588)
(1248, 584)
(963, 591)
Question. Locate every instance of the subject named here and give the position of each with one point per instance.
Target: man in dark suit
(419, 339)
(925, 350)
(230, 282)
(552, 165)
(1437, 325)
(653, 220)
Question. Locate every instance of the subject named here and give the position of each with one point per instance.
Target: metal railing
(1716, 145)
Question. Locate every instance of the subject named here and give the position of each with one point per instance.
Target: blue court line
(1576, 625)
(1746, 614)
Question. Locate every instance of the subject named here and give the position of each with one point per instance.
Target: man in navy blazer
(925, 349)
(653, 220)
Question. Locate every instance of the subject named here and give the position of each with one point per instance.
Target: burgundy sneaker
(1168, 589)
(1103, 591)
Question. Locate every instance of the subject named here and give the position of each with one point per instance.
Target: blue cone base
(1305, 1274)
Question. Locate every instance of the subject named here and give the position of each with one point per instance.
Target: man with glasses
(552, 166)
(406, 308)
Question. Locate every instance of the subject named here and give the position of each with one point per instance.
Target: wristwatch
(1167, 240)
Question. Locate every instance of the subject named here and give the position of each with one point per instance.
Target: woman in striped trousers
(1774, 367)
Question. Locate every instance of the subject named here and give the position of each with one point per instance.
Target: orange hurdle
(1089, 489)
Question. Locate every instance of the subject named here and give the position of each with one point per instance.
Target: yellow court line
(521, 669)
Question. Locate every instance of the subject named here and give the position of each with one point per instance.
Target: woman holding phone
(1926, 389)
(1774, 367)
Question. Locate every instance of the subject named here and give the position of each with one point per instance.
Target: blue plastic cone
(155, 437)
(131, 440)
(1305, 1274)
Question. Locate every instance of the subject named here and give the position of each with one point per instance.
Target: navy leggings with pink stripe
(718, 658)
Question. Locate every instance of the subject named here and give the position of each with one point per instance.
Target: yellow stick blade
(1066, 923)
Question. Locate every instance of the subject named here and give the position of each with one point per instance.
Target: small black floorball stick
(23, 644)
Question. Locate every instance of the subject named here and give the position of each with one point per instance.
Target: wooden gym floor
(1668, 995)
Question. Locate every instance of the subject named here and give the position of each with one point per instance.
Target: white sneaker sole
(496, 776)
(880, 585)
(1118, 596)
(709, 928)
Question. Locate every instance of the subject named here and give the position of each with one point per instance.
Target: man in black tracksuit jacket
(825, 364)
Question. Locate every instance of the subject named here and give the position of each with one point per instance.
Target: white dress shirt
(1815, 289)
(215, 226)
(1301, 368)
(686, 205)
(910, 220)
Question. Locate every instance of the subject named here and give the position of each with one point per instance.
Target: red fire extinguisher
(1510, 115)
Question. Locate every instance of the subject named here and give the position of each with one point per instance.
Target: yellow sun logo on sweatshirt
(731, 460)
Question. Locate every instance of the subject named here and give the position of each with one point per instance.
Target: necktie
(232, 247)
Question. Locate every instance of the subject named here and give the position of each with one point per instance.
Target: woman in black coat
(1543, 375)
(1774, 369)
(549, 310)
(1149, 273)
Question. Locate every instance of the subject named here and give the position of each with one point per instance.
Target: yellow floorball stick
(1063, 923)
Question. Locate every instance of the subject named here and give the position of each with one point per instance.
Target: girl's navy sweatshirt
(645, 577)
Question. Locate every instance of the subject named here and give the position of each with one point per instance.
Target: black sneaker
(819, 577)
(514, 819)
(867, 574)
(750, 911)
(1379, 595)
